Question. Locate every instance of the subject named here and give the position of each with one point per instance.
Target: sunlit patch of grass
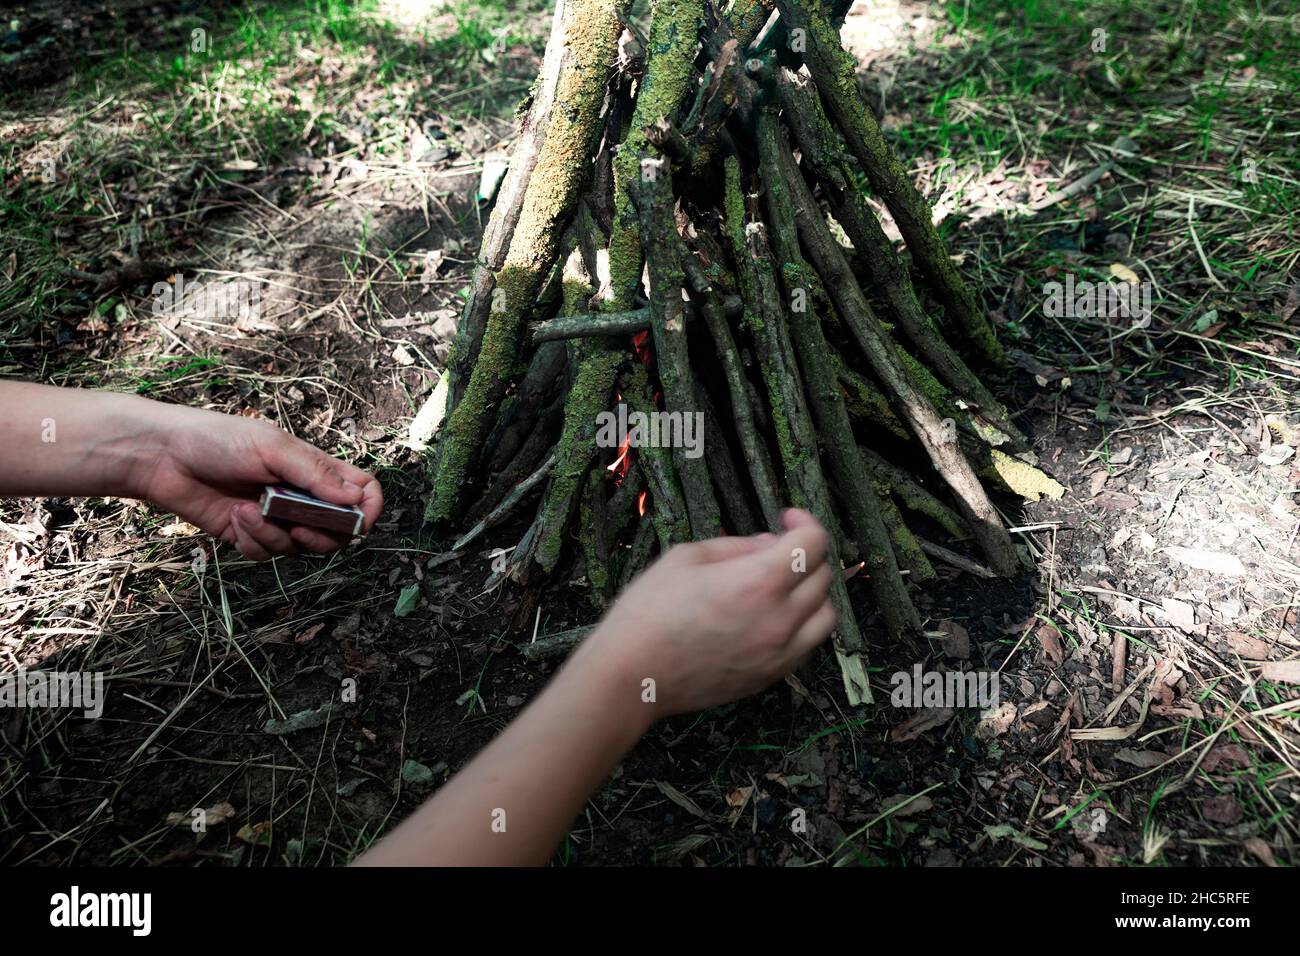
(229, 97)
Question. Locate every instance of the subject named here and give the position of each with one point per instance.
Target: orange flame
(640, 503)
(622, 463)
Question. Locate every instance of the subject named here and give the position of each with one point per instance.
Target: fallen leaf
(1251, 648)
(1128, 610)
(1115, 501)
(179, 529)
(1179, 613)
(1215, 561)
(739, 797)
(1225, 755)
(406, 601)
(957, 642)
(310, 633)
(218, 813)
(1276, 455)
(1050, 638)
(1188, 711)
(907, 804)
(1005, 831)
(1221, 809)
(685, 845)
(303, 720)
(679, 798)
(432, 262)
(926, 718)
(1143, 759)
(1124, 273)
(1292, 303)
(92, 324)
(416, 774)
(996, 723)
(257, 834)
(1288, 672)
(1260, 851)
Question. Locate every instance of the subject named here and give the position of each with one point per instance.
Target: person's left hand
(210, 469)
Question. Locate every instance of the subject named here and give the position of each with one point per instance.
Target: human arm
(710, 622)
(203, 466)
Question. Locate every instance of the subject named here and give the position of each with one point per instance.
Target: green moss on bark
(592, 390)
(563, 161)
(670, 61)
(589, 532)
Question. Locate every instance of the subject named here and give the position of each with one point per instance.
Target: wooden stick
(669, 516)
(913, 496)
(855, 489)
(956, 560)
(756, 454)
(557, 645)
(592, 324)
(642, 550)
(593, 387)
(796, 437)
(822, 154)
(585, 43)
(938, 440)
(521, 420)
(495, 516)
(539, 443)
(727, 483)
(621, 508)
(593, 517)
(668, 326)
(835, 72)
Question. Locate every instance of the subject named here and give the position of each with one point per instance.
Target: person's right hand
(713, 621)
(210, 469)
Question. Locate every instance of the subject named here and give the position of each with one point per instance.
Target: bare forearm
(513, 804)
(58, 441)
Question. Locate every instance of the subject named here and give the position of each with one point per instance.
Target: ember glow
(641, 347)
(854, 569)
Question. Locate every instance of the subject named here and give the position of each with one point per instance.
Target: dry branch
(666, 189)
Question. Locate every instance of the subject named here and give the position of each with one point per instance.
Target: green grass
(253, 94)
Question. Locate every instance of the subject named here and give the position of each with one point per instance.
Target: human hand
(713, 621)
(210, 469)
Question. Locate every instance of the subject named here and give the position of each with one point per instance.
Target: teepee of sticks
(684, 235)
